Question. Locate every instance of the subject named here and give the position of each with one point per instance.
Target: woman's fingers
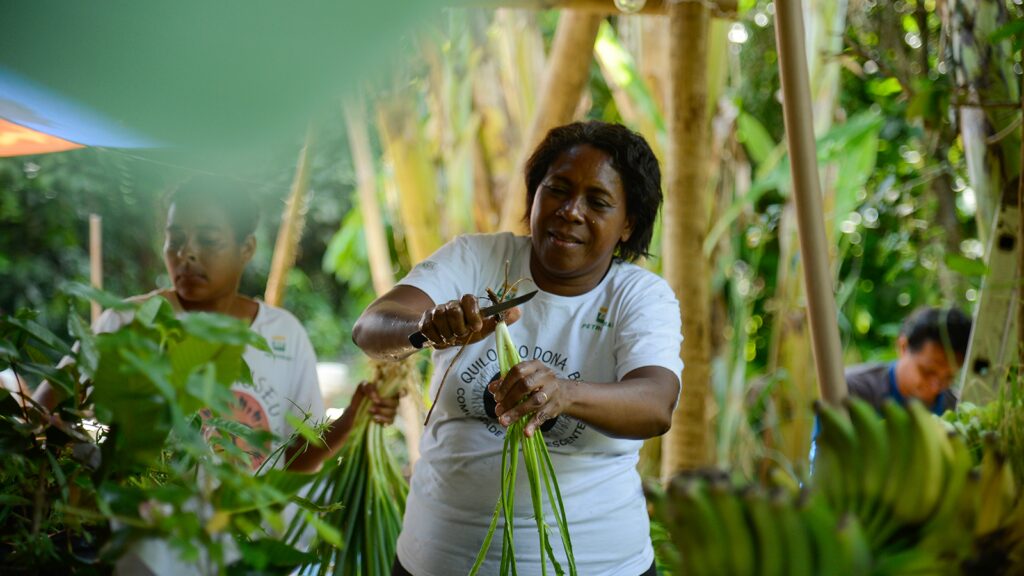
(526, 389)
(452, 323)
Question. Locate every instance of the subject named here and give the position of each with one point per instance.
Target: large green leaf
(88, 354)
(755, 137)
(106, 300)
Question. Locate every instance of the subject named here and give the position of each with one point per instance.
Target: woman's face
(204, 259)
(578, 218)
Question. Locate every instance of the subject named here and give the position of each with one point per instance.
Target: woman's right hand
(458, 323)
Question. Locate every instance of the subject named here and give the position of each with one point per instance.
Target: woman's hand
(458, 323)
(530, 388)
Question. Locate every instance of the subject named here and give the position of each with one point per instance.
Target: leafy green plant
(144, 446)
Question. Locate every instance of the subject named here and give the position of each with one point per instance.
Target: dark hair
(234, 197)
(631, 157)
(944, 326)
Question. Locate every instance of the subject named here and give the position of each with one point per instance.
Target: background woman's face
(579, 215)
(203, 257)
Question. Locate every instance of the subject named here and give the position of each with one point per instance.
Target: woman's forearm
(382, 332)
(637, 407)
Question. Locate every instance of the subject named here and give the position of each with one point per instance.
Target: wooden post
(685, 218)
(288, 235)
(96, 259)
(796, 104)
(377, 251)
(564, 81)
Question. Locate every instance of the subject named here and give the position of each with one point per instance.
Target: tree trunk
(293, 220)
(685, 225)
(988, 94)
(564, 82)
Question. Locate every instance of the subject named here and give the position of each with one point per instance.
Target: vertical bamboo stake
(377, 250)
(796, 104)
(96, 259)
(685, 225)
(290, 232)
(1020, 250)
(564, 81)
(415, 177)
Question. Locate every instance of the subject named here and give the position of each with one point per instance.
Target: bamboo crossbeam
(651, 7)
(797, 106)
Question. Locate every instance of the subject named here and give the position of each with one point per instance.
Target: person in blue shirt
(930, 349)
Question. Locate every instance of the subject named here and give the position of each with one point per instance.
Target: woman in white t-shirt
(209, 239)
(601, 366)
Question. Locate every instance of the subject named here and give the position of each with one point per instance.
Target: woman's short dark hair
(631, 157)
(234, 197)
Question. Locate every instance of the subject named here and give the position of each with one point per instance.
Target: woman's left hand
(530, 388)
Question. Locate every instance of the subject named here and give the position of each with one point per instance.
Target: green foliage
(156, 455)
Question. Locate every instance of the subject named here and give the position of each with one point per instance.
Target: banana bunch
(721, 529)
(890, 496)
(901, 477)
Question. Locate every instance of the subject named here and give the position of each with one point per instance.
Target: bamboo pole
(377, 251)
(96, 260)
(796, 104)
(290, 232)
(603, 7)
(564, 82)
(414, 175)
(685, 226)
(1020, 239)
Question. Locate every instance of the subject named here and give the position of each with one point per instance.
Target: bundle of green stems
(541, 473)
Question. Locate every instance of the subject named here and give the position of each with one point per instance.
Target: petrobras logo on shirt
(600, 322)
(278, 343)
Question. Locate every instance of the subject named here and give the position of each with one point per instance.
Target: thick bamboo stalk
(288, 235)
(415, 178)
(564, 82)
(685, 225)
(1020, 252)
(603, 7)
(821, 306)
(377, 251)
(96, 259)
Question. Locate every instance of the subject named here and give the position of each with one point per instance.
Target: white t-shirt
(282, 382)
(630, 320)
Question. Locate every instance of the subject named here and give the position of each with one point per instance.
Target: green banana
(998, 490)
(854, 544)
(914, 561)
(898, 431)
(799, 552)
(708, 524)
(927, 473)
(874, 446)
(821, 525)
(741, 551)
(837, 449)
(767, 534)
